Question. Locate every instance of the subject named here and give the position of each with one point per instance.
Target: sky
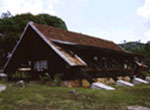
(114, 20)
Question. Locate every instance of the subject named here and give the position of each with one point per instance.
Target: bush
(45, 78)
(58, 79)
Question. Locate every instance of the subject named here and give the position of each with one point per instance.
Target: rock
(73, 83)
(20, 83)
(127, 78)
(3, 75)
(139, 81)
(85, 83)
(99, 85)
(2, 87)
(136, 107)
(110, 81)
(124, 83)
(102, 80)
(64, 83)
(120, 78)
(147, 79)
(73, 91)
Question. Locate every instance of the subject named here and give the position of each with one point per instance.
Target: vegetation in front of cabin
(43, 97)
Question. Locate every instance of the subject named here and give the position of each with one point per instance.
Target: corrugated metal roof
(73, 59)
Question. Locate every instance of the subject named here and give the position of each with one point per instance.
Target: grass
(44, 97)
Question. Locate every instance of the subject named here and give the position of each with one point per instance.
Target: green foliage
(11, 28)
(52, 21)
(58, 79)
(21, 75)
(147, 49)
(135, 47)
(139, 48)
(45, 78)
(6, 14)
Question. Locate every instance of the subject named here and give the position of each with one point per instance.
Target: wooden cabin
(56, 51)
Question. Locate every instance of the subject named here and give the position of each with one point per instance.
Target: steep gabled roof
(52, 33)
(72, 60)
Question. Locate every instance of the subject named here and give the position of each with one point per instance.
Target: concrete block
(2, 87)
(137, 107)
(124, 83)
(20, 83)
(147, 79)
(3, 75)
(139, 81)
(99, 85)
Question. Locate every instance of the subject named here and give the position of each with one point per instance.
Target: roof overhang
(62, 42)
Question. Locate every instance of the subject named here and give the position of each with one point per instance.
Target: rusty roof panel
(67, 36)
(73, 59)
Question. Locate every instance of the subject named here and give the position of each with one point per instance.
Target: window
(40, 65)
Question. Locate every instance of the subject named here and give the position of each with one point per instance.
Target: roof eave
(13, 51)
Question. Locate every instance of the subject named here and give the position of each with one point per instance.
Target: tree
(11, 28)
(139, 48)
(147, 51)
(6, 14)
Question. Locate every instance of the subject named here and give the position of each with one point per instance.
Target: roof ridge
(74, 32)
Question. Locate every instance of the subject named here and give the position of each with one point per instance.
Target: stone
(74, 83)
(136, 107)
(101, 80)
(147, 79)
(2, 87)
(127, 78)
(111, 81)
(85, 83)
(99, 85)
(120, 78)
(53, 84)
(73, 91)
(124, 83)
(139, 81)
(3, 76)
(64, 83)
(20, 83)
